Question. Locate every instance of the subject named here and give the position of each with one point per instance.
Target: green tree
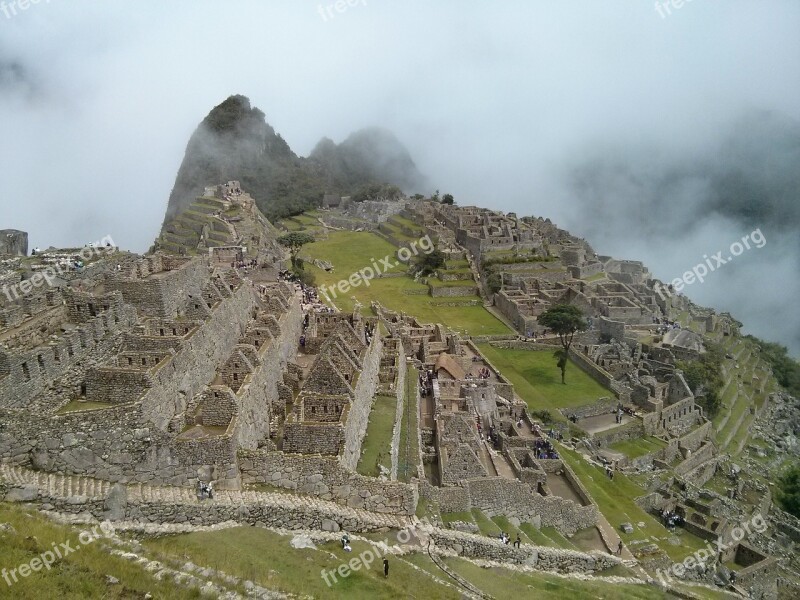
(494, 282)
(435, 196)
(565, 320)
(448, 199)
(789, 490)
(294, 241)
(429, 263)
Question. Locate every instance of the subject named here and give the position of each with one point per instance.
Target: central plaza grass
(537, 379)
(408, 450)
(638, 447)
(351, 251)
(377, 447)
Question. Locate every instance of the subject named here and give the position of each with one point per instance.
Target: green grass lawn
(408, 452)
(377, 446)
(638, 447)
(485, 524)
(351, 251)
(537, 379)
(78, 575)
(74, 406)
(268, 559)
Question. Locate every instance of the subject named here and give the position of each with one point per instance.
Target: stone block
(329, 525)
(24, 493)
(626, 527)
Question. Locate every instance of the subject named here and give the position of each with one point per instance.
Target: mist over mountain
(669, 207)
(234, 142)
(370, 154)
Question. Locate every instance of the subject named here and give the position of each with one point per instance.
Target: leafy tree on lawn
(565, 320)
(494, 282)
(429, 263)
(294, 241)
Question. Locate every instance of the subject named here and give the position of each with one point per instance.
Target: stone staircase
(55, 485)
(60, 486)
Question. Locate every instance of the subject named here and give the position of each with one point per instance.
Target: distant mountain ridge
(234, 142)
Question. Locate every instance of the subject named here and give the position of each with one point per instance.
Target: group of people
(664, 325)
(245, 265)
(610, 472)
(345, 541)
(544, 449)
(484, 373)
(205, 490)
(425, 383)
(671, 519)
(505, 538)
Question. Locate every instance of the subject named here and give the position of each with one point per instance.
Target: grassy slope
(81, 574)
(269, 560)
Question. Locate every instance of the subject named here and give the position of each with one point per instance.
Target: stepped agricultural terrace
(133, 379)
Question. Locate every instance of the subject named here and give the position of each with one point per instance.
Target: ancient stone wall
(540, 557)
(313, 438)
(23, 375)
(443, 291)
(701, 455)
(194, 364)
(629, 431)
(328, 479)
(499, 496)
(163, 292)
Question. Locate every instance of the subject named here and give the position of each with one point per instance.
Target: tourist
(345, 540)
(385, 567)
(619, 548)
(517, 542)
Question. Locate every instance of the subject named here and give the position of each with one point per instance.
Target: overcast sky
(498, 103)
